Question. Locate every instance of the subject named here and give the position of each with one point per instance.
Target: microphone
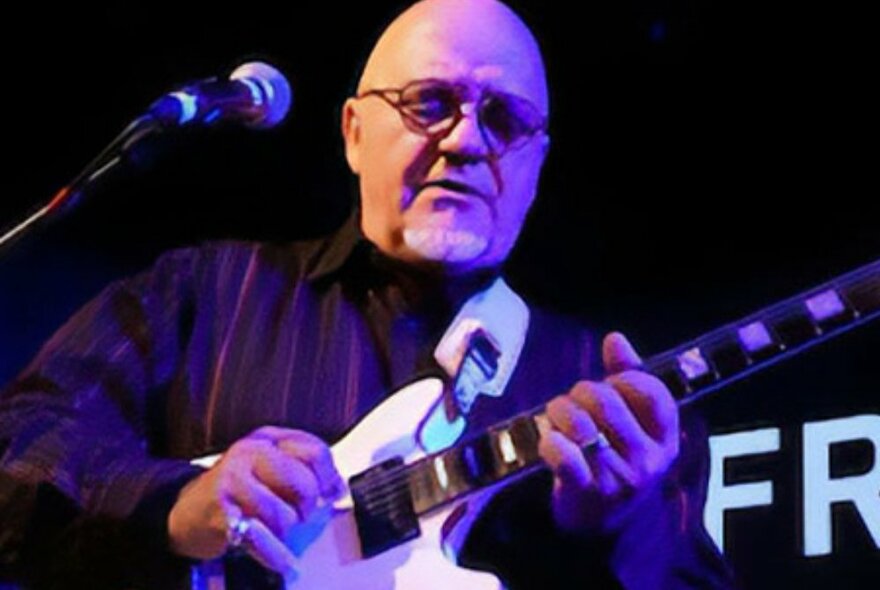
(255, 94)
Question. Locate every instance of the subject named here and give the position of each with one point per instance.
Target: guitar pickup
(383, 507)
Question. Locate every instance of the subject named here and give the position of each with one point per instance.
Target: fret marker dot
(825, 305)
(755, 337)
(692, 364)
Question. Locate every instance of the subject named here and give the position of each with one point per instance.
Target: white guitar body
(328, 546)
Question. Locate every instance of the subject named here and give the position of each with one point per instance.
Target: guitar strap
(479, 351)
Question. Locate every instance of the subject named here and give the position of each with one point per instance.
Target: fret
(864, 295)
(479, 459)
(796, 327)
(472, 463)
(523, 435)
(426, 487)
(670, 374)
(423, 488)
(727, 356)
(526, 435)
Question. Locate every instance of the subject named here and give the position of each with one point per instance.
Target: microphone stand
(109, 159)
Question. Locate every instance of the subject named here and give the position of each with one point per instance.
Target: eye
(501, 120)
(429, 103)
(509, 118)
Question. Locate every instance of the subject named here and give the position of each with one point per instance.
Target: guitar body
(329, 548)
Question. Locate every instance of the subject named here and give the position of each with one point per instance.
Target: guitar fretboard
(734, 351)
(691, 370)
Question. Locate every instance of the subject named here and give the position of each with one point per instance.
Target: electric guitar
(408, 512)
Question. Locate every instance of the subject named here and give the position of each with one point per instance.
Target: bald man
(447, 134)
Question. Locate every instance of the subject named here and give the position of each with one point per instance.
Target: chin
(451, 247)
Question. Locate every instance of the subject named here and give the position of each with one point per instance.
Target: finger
(256, 459)
(618, 354)
(262, 544)
(566, 460)
(320, 461)
(256, 500)
(314, 453)
(572, 420)
(288, 478)
(580, 477)
(613, 417)
(603, 463)
(614, 475)
(651, 403)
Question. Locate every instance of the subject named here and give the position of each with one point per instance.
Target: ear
(351, 133)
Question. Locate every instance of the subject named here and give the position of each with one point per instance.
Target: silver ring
(237, 530)
(597, 444)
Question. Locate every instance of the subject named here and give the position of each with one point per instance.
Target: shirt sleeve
(84, 490)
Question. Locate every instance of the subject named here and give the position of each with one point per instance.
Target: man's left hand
(612, 441)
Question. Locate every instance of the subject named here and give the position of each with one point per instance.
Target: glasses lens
(429, 104)
(509, 119)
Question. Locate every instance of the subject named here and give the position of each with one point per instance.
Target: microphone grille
(274, 88)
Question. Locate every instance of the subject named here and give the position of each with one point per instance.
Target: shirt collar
(331, 253)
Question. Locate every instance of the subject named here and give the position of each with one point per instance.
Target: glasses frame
(463, 94)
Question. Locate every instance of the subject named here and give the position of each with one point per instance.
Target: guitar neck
(691, 370)
(738, 349)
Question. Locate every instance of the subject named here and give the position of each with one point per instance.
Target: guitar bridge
(383, 507)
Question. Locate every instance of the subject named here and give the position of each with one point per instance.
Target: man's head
(430, 193)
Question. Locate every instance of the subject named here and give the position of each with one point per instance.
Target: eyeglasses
(434, 107)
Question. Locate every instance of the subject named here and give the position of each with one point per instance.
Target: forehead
(490, 48)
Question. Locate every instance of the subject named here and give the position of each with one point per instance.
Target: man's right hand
(274, 478)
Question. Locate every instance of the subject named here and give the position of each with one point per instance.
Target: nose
(466, 139)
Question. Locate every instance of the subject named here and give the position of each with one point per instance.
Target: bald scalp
(483, 28)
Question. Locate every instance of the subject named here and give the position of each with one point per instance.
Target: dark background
(707, 160)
